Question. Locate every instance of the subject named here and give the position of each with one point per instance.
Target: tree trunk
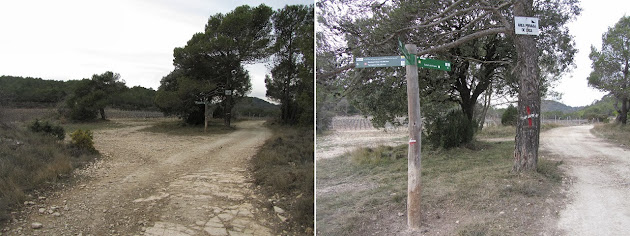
(623, 115)
(102, 111)
(227, 117)
(486, 105)
(528, 122)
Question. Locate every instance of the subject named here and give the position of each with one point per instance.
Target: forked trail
(158, 184)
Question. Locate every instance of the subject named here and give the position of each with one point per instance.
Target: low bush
(46, 127)
(509, 116)
(83, 140)
(450, 130)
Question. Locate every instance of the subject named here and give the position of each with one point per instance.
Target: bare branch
(482, 61)
(501, 17)
(457, 13)
(445, 10)
(464, 39)
(335, 72)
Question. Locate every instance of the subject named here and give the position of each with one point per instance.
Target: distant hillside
(601, 109)
(554, 106)
(252, 106)
(26, 92)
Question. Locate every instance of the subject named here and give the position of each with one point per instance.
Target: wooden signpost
(414, 167)
(205, 113)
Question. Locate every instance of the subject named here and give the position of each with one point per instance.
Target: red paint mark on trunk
(529, 115)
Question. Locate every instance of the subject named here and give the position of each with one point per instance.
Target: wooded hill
(601, 109)
(551, 106)
(27, 92)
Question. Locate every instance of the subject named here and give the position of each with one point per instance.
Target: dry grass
(614, 132)
(30, 160)
(21, 115)
(284, 166)
(465, 192)
(499, 131)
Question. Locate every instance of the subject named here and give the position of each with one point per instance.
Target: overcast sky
(595, 19)
(74, 39)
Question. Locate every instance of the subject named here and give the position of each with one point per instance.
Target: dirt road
(600, 174)
(158, 184)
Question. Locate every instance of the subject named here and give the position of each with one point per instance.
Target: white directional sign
(526, 25)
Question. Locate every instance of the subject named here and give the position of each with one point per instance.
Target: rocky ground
(158, 184)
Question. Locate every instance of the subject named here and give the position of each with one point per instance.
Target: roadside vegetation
(284, 168)
(465, 191)
(36, 157)
(616, 133)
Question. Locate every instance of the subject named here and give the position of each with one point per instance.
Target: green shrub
(83, 139)
(509, 116)
(450, 130)
(46, 127)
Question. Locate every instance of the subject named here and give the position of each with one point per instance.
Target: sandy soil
(600, 174)
(158, 184)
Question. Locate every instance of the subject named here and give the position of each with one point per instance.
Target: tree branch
(482, 61)
(464, 39)
(335, 72)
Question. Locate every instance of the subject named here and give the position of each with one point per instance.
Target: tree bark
(528, 123)
(623, 114)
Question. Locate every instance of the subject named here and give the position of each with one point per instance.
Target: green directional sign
(410, 58)
(364, 62)
(389, 61)
(434, 64)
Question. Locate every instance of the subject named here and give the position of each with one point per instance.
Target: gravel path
(600, 173)
(158, 184)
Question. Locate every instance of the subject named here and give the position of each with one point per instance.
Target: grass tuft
(499, 131)
(378, 155)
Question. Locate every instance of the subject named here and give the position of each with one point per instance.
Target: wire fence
(357, 123)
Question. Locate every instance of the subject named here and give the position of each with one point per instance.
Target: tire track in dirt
(600, 174)
(158, 184)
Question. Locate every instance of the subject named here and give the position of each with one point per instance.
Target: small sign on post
(434, 64)
(526, 25)
(365, 62)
